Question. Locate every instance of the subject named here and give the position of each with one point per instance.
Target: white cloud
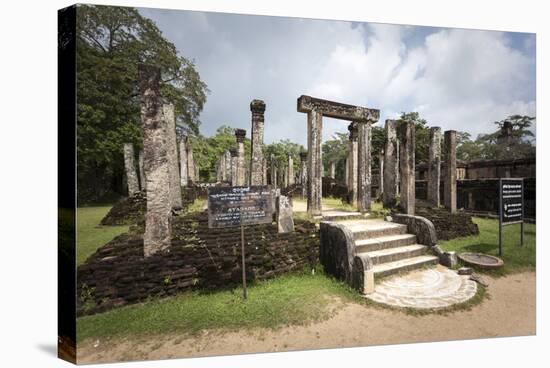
(458, 79)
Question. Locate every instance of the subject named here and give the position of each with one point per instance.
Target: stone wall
(481, 195)
(199, 257)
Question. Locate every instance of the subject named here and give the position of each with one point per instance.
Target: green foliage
(280, 152)
(516, 258)
(422, 136)
(111, 41)
(336, 150)
(293, 299)
(497, 145)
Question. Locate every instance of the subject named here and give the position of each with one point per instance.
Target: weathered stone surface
(264, 171)
(290, 171)
(449, 225)
(448, 259)
(303, 173)
(200, 259)
(240, 134)
(337, 110)
(314, 191)
(172, 152)
(332, 173)
(257, 107)
(450, 171)
(346, 172)
(337, 250)
(191, 168)
(273, 175)
(130, 166)
(434, 166)
(227, 170)
(421, 227)
(391, 166)
(158, 219)
(363, 274)
(353, 163)
(142, 180)
(285, 219)
(364, 167)
(184, 176)
(380, 174)
(234, 166)
(406, 167)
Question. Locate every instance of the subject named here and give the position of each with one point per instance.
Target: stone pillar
(158, 217)
(191, 169)
(449, 187)
(434, 166)
(264, 171)
(240, 134)
(219, 173)
(364, 179)
(303, 172)
(381, 174)
(130, 166)
(257, 107)
(273, 172)
(315, 164)
(391, 166)
(227, 168)
(332, 170)
(284, 175)
(234, 163)
(142, 179)
(290, 168)
(346, 173)
(353, 161)
(406, 165)
(184, 172)
(172, 150)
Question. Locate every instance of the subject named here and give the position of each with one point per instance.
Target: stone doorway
(364, 117)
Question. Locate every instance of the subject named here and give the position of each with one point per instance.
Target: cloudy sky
(457, 79)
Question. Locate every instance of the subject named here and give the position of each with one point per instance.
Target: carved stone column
(406, 164)
(184, 171)
(303, 173)
(257, 107)
(364, 180)
(353, 161)
(130, 167)
(158, 218)
(391, 166)
(449, 188)
(234, 163)
(315, 164)
(172, 151)
(290, 173)
(241, 175)
(434, 166)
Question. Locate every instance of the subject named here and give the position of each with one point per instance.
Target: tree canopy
(111, 42)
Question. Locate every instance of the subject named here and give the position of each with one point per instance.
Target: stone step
(396, 254)
(334, 215)
(367, 229)
(385, 269)
(384, 242)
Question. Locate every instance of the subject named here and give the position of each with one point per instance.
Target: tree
(422, 136)
(111, 42)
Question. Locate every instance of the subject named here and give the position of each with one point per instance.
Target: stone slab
(433, 288)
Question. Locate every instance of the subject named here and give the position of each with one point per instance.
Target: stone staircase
(388, 244)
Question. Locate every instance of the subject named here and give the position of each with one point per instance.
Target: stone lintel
(337, 110)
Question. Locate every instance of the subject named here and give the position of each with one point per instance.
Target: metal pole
(522, 210)
(243, 257)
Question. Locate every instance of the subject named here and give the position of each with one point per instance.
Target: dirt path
(510, 310)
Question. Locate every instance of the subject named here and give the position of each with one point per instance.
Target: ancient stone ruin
(315, 109)
(257, 107)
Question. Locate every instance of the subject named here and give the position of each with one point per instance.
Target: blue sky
(455, 78)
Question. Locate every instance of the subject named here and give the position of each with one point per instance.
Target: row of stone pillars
(397, 169)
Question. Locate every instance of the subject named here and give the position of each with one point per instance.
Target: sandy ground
(508, 311)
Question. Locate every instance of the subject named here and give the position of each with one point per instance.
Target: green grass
(515, 257)
(196, 206)
(286, 300)
(337, 203)
(91, 235)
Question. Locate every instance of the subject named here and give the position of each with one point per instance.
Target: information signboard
(511, 206)
(236, 206)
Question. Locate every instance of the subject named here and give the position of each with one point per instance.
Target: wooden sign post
(240, 206)
(511, 205)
